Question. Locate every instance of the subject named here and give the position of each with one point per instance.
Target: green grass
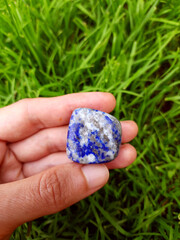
(128, 48)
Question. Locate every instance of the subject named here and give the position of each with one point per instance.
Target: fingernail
(96, 175)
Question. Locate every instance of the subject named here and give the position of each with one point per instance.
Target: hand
(36, 177)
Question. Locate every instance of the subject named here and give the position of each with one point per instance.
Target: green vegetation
(131, 49)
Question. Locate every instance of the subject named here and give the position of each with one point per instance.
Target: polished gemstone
(93, 136)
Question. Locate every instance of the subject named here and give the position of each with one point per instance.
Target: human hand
(36, 177)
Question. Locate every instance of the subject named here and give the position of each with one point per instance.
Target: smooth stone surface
(93, 136)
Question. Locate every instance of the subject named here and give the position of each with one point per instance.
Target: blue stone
(93, 136)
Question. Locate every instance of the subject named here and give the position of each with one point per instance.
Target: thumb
(47, 193)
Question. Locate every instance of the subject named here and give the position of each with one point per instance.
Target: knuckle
(51, 189)
(27, 106)
(51, 145)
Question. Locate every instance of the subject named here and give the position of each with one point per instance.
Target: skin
(36, 177)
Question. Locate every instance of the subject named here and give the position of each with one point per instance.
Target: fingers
(47, 193)
(41, 144)
(28, 116)
(52, 140)
(126, 156)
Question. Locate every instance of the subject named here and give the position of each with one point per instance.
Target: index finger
(28, 116)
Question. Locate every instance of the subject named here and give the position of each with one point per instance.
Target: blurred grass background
(131, 49)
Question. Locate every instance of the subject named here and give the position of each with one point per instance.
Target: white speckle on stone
(111, 155)
(91, 158)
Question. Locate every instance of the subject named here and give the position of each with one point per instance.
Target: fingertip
(133, 153)
(96, 175)
(112, 99)
(129, 130)
(107, 102)
(135, 127)
(127, 154)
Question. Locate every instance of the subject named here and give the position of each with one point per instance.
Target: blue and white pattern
(93, 136)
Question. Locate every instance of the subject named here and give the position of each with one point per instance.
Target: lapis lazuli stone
(93, 136)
